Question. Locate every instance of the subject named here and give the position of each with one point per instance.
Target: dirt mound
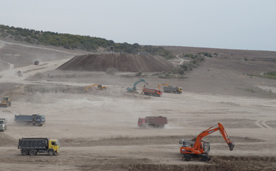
(6, 140)
(122, 62)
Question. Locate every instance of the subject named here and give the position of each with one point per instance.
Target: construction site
(132, 119)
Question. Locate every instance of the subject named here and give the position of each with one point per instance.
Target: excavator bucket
(231, 146)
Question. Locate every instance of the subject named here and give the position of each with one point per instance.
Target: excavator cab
(206, 147)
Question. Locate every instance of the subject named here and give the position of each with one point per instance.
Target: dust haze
(98, 129)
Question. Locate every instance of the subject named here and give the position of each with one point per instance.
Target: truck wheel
(51, 152)
(187, 157)
(32, 152)
(24, 152)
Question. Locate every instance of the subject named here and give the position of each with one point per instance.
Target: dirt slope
(122, 62)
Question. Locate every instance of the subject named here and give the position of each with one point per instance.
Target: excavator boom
(211, 130)
(133, 89)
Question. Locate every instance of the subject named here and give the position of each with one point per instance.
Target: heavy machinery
(133, 89)
(32, 146)
(164, 84)
(170, 89)
(101, 87)
(19, 73)
(199, 148)
(3, 124)
(152, 121)
(36, 62)
(34, 119)
(6, 102)
(151, 92)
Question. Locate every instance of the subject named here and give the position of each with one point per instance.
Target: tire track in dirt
(261, 123)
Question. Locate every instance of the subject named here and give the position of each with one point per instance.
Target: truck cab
(54, 144)
(3, 124)
(38, 119)
(141, 122)
(179, 90)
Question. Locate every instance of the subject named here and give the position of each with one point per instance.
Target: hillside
(70, 41)
(122, 62)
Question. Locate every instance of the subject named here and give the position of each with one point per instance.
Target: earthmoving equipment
(164, 84)
(133, 89)
(170, 89)
(3, 124)
(98, 85)
(153, 121)
(19, 73)
(152, 92)
(199, 148)
(6, 102)
(36, 62)
(32, 146)
(35, 119)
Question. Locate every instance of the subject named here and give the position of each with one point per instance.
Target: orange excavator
(199, 148)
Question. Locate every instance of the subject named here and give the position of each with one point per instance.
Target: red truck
(152, 92)
(152, 121)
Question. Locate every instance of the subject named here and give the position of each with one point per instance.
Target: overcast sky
(230, 24)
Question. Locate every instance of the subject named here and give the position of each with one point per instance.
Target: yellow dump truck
(32, 146)
(6, 102)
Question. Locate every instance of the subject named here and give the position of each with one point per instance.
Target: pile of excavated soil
(122, 62)
(6, 140)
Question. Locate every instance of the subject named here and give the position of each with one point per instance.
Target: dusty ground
(98, 129)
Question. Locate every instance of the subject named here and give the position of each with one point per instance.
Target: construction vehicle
(3, 124)
(152, 121)
(200, 149)
(6, 102)
(164, 84)
(34, 119)
(151, 92)
(32, 146)
(36, 62)
(133, 89)
(170, 89)
(19, 73)
(98, 85)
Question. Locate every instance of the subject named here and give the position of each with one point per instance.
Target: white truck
(3, 124)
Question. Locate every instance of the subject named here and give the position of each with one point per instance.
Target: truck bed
(33, 143)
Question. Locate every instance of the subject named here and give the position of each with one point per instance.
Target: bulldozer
(6, 102)
(100, 87)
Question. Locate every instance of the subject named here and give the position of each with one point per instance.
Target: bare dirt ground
(98, 129)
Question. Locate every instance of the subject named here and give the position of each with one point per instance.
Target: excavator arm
(211, 130)
(90, 86)
(159, 85)
(133, 89)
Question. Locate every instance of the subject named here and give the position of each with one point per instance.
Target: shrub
(111, 71)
